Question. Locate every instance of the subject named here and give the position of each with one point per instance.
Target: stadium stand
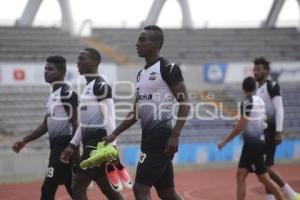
(23, 107)
(194, 46)
(36, 44)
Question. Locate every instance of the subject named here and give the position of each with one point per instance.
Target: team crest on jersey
(153, 76)
(88, 91)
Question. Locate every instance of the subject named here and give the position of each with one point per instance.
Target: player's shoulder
(100, 82)
(248, 99)
(102, 88)
(272, 84)
(165, 63)
(273, 88)
(66, 91)
(168, 67)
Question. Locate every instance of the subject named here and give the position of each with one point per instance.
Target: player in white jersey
(251, 124)
(59, 122)
(96, 119)
(269, 91)
(158, 85)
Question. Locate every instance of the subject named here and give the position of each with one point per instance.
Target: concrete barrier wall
(34, 163)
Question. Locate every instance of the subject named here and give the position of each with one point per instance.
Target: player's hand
(221, 144)
(278, 138)
(172, 146)
(17, 146)
(66, 155)
(109, 138)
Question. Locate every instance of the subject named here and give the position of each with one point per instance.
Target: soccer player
(269, 91)
(159, 83)
(59, 122)
(96, 119)
(251, 123)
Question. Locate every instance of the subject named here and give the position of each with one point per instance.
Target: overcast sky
(130, 13)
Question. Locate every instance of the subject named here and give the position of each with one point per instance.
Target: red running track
(192, 184)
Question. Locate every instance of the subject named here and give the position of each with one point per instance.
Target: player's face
(51, 73)
(145, 46)
(259, 72)
(85, 63)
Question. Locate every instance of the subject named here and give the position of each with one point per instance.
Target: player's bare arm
(179, 91)
(237, 129)
(38, 132)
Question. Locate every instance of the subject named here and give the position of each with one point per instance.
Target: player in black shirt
(269, 91)
(158, 85)
(59, 122)
(96, 118)
(252, 125)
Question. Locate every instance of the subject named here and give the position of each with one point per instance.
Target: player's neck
(150, 60)
(91, 77)
(57, 85)
(248, 94)
(260, 83)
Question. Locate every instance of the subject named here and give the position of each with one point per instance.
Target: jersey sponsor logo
(153, 76)
(83, 108)
(145, 97)
(50, 114)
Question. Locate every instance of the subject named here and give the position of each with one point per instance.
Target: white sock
(289, 191)
(270, 197)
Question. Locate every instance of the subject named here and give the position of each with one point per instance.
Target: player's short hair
(95, 54)
(157, 34)
(262, 61)
(58, 61)
(249, 84)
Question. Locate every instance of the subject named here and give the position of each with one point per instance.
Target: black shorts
(90, 144)
(252, 158)
(155, 169)
(270, 147)
(57, 171)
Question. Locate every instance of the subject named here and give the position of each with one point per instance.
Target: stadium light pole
(157, 6)
(32, 8)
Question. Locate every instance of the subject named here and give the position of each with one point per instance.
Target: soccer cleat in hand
(102, 154)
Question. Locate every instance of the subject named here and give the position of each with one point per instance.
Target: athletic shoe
(297, 197)
(113, 177)
(102, 154)
(125, 178)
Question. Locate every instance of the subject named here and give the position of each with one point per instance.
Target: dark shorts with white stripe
(252, 158)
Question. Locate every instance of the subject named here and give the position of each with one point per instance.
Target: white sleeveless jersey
(154, 98)
(91, 117)
(61, 103)
(253, 109)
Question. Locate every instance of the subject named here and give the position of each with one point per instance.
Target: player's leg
(274, 175)
(52, 178)
(271, 186)
(270, 156)
(141, 191)
(241, 177)
(105, 187)
(68, 186)
(168, 194)
(165, 185)
(80, 185)
(48, 189)
(243, 169)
